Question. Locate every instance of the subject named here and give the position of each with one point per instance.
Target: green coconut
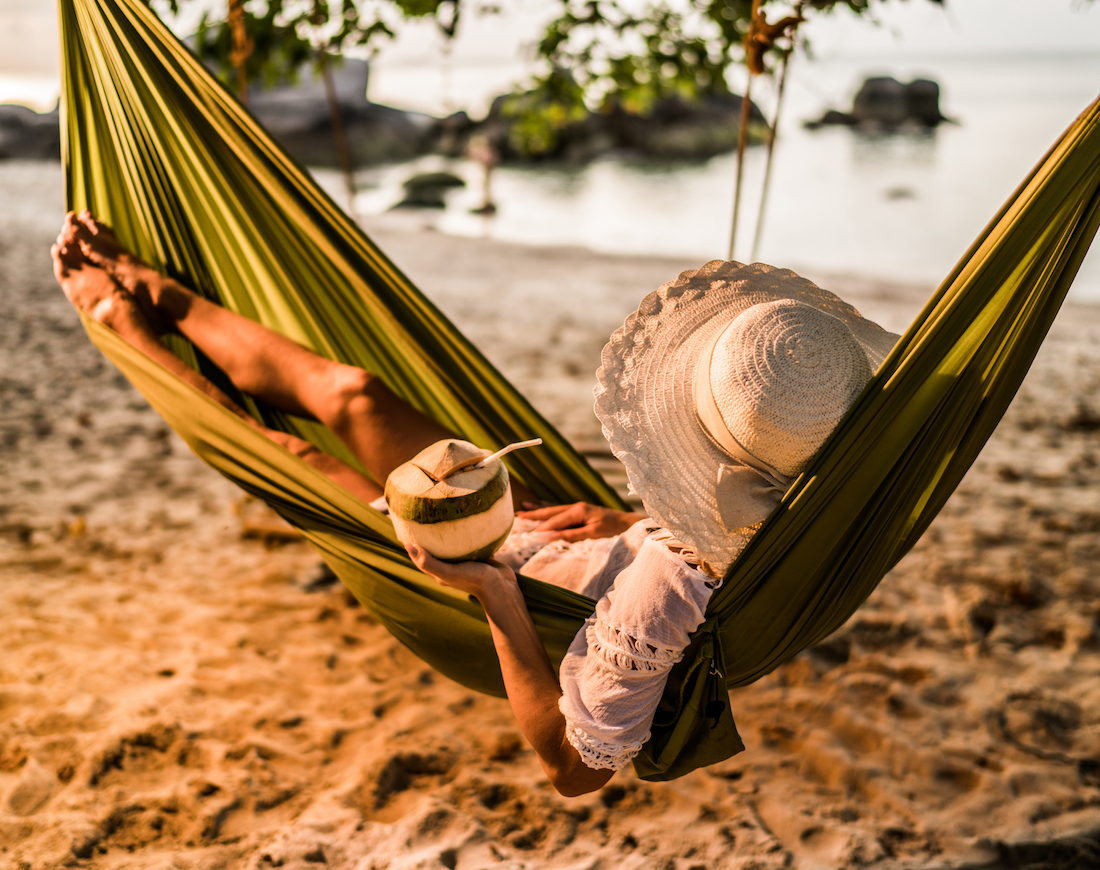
(450, 502)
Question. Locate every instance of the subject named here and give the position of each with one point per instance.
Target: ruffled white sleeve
(615, 671)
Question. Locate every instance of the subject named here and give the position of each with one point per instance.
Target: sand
(177, 689)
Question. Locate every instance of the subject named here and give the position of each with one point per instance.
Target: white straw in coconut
(534, 442)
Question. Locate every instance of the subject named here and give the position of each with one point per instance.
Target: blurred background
(895, 204)
(181, 685)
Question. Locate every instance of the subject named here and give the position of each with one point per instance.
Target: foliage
(631, 53)
(634, 57)
(595, 55)
(287, 33)
(539, 116)
(278, 50)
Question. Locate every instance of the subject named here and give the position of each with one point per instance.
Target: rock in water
(443, 501)
(923, 97)
(28, 135)
(884, 104)
(428, 189)
(881, 100)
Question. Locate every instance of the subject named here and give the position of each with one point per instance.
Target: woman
(714, 394)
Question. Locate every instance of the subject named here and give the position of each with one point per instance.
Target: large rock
(29, 135)
(376, 134)
(302, 105)
(676, 128)
(884, 103)
(429, 189)
(881, 100)
(297, 114)
(923, 97)
(673, 129)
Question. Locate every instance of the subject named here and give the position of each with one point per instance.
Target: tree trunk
(242, 47)
(341, 142)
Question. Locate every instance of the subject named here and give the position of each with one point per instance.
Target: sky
(909, 29)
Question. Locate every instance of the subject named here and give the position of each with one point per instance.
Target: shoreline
(172, 694)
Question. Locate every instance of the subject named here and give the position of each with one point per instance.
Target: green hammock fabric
(156, 147)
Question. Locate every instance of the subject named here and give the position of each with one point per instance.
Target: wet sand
(177, 690)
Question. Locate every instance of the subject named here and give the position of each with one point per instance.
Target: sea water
(901, 207)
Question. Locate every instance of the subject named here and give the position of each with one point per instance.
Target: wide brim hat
(646, 394)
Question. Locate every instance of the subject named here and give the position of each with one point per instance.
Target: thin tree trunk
(341, 142)
(242, 47)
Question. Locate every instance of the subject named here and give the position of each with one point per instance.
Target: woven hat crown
(782, 374)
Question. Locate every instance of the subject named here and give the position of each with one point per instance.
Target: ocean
(902, 207)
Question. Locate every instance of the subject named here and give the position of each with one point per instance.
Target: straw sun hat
(719, 389)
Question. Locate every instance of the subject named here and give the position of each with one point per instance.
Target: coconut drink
(453, 499)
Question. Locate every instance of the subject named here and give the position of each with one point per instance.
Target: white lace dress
(649, 601)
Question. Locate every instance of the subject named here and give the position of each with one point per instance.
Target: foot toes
(64, 256)
(102, 308)
(95, 226)
(97, 258)
(60, 270)
(68, 233)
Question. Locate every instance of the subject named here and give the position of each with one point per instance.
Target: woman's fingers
(535, 505)
(572, 517)
(55, 255)
(442, 571)
(473, 578)
(427, 563)
(543, 513)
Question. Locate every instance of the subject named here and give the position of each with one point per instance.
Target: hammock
(157, 148)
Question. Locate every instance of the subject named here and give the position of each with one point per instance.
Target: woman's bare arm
(529, 678)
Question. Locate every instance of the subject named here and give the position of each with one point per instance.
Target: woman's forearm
(529, 677)
(533, 692)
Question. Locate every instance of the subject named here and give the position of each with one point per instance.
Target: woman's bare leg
(95, 292)
(381, 429)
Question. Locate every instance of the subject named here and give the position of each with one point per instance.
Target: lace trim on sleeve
(623, 651)
(599, 755)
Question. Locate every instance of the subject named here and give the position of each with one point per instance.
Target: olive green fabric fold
(156, 147)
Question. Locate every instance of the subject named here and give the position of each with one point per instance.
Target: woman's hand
(480, 579)
(576, 522)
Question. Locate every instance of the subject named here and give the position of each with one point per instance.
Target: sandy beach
(180, 689)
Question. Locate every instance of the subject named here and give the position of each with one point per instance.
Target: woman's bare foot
(98, 245)
(93, 291)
